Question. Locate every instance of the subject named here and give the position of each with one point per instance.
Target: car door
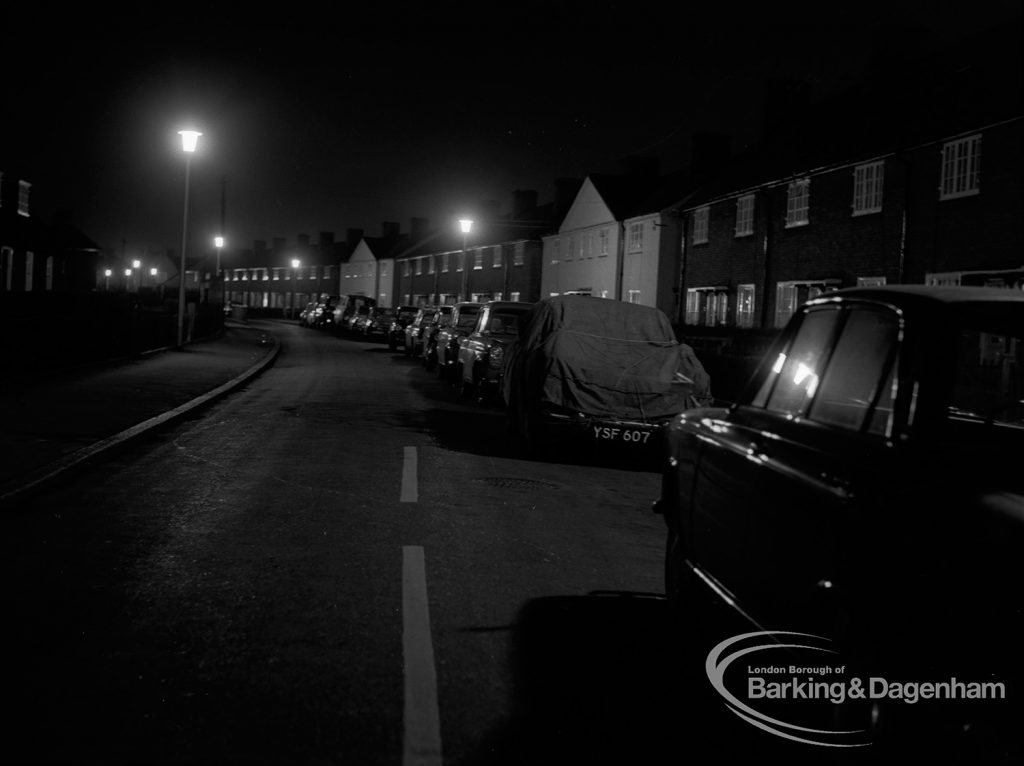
(777, 498)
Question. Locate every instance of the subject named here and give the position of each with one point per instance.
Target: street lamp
(295, 267)
(465, 225)
(108, 273)
(127, 280)
(189, 139)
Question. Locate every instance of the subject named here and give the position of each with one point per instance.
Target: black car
(451, 335)
(414, 331)
(481, 361)
(396, 332)
(867, 489)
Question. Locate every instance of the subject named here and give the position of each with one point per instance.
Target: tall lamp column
(465, 225)
(189, 140)
(295, 268)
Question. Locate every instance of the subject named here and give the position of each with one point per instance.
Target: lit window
(406, 271)
(634, 296)
(24, 187)
(419, 266)
(431, 267)
(961, 168)
(745, 306)
(867, 188)
(700, 225)
(745, 215)
(571, 249)
(798, 203)
(514, 296)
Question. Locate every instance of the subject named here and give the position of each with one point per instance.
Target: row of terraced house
(883, 183)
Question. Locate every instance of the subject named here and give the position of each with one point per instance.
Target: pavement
(56, 422)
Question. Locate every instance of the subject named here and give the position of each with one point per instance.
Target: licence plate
(613, 433)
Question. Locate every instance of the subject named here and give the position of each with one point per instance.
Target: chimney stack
(524, 200)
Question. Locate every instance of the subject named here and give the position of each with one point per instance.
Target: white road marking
(422, 718)
(410, 483)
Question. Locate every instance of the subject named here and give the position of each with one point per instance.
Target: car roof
(945, 294)
(508, 305)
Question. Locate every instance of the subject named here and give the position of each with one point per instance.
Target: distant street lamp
(465, 225)
(127, 280)
(136, 265)
(189, 139)
(108, 273)
(295, 267)
(218, 242)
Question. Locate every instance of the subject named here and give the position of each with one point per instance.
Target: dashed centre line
(422, 743)
(410, 481)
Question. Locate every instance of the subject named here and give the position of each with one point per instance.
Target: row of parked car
(864, 487)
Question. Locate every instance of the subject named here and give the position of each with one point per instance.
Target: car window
(467, 320)
(859, 373)
(503, 323)
(986, 373)
(796, 373)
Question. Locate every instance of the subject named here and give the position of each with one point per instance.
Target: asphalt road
(343, 562)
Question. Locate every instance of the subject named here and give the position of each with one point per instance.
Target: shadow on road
(612, 678)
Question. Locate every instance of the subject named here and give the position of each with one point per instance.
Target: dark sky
(325, 120)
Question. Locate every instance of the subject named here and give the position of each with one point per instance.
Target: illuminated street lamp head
(218, 241)
(108, 273)
(152, 272)
(296, 263)
(136, 264)
(189, 139)
(127, 272)
(465, 224)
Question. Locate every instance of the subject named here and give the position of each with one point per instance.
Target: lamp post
(136, 266)
(108, 273)
(127, 280)
(465, 225)
(152, 276)
(218, 284)
(295, 267)
(189, 139)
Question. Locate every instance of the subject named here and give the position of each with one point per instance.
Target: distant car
(323, 312)
(598, 374)
(347, 308)
(377, 322)
(396, 333)
(306, 315)
(414, 331)
(440, 320)
(867, 488)
(481, 360)
(452, 335)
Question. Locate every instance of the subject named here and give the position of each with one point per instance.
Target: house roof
(895, 107)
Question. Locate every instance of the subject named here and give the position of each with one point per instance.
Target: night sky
(325, 120)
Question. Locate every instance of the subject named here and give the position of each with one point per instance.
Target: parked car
(414, 332)
(442, 317)
(452, 335)
(377, 323)
(347, 308)
(481, 360)
(323, 312)
(396, 333)
(306, 315)
(598, 373)
(867, 488)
